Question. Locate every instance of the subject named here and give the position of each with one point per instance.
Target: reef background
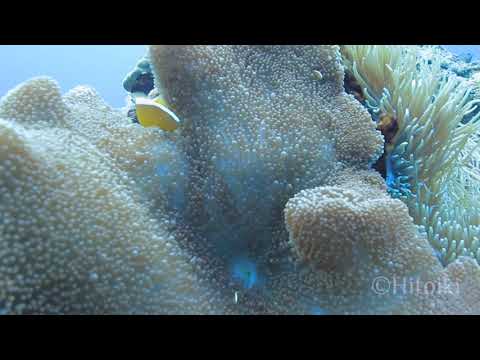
(99, 66)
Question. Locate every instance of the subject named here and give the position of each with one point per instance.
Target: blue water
(101, 66)
(463, 49)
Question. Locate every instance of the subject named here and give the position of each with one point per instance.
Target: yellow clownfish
(155, 113)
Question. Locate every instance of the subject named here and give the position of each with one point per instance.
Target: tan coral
(249, 89)
(29, 103)
(260, 123)
(75, 236)
(259, 126)
(137, 151)
(355, 233)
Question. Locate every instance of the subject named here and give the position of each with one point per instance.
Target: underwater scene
(240, 179)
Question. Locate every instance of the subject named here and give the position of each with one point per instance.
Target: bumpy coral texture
(366, 243)
(260, 124)
(75, 235)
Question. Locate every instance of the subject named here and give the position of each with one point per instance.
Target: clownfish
(155, 113)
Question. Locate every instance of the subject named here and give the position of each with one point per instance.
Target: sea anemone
(432, 160)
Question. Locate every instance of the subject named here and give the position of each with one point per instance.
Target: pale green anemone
(432, 162)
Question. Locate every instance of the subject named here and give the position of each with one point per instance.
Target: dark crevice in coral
(388, 126)
(352, 87)
(381, 166)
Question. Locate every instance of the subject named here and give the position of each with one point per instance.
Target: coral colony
(248, 180)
